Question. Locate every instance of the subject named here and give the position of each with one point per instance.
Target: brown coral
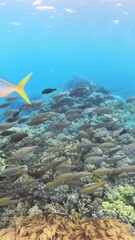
(72, 227)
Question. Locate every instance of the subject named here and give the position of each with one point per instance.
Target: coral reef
(121, 200)
(73, 152)
(70, 227)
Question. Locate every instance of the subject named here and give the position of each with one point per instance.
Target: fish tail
(20, 88)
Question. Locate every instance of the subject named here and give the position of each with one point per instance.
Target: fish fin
(20, 88)
(98, 179)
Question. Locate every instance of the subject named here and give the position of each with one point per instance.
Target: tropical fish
(54, 164)
(66, 178)
(8, 201)
(9, 147)
(104, 110)
(7, 87)
(130, 99)
(34, 104)
(107, 145)
(47, 135)
(95, 159)
(10, 112)
(73, 117)
(86, 126)
(60, 125)
(22, 120)
(78, 91)
(124, 131)
(90, 188)
(52, 184)
(16, 113)
(124, 136)
(18, 136)
(11, 98)
(64, 167)
(7, 133)
(55, 149)
(73, 111)
(115, 158)
(52, 114)
(13, 160)
(3, 105)
(12, 119)
(12, 171)
(109, 125)
(36, 122)
(65, 101)
(115, 149)
(116, 133)
(21, 152)
(39, 116)
(89, 110)
(86, 146)
(4, 126)
(48, 90)
(124, 169)
(59, 96)
(103, 171)
(101, 133)
(130, 147)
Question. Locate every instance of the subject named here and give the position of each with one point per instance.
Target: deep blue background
(96, 41)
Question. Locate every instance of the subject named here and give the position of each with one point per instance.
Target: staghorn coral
(70, 227)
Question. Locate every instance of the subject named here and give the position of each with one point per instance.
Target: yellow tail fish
(7, 87)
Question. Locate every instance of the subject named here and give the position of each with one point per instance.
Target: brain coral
(71, 227)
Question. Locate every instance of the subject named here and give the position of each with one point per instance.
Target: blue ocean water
(58, 39)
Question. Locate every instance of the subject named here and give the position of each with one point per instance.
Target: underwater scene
(67, 120)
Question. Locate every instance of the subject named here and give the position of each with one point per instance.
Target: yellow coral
(72, 227)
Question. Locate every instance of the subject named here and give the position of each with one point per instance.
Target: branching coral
(69, 227)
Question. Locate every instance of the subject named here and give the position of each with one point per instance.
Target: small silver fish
(12, 171)
(21, 152)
